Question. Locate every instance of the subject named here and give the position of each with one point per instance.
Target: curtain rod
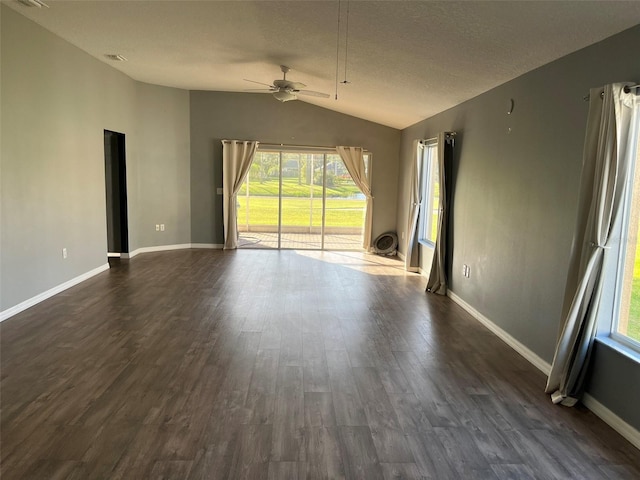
(428, 141)
(626, 89)
(300, 147)
(284, 145)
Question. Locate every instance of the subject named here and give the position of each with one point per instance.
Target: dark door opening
(116, 191)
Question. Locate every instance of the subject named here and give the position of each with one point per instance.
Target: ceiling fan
(285, 90)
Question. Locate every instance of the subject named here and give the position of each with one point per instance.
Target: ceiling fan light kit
(284, 96)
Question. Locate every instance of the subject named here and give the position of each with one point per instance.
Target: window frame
(428, 162)
(619, 254)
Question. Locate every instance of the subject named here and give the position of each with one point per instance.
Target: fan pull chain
(346, 48)
(338, 50)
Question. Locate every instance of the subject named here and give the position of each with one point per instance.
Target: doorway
(116, 194)
(300, 200)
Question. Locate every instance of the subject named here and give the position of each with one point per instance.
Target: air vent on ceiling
(115, 57)
(34, 3)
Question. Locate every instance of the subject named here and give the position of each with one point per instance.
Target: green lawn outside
(291, 188)
(633, 329)
(296, 212)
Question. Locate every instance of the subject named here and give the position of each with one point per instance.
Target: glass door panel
(258, 203)
(344, 208)
(301, 220)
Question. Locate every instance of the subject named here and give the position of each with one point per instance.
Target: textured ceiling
(407, 60)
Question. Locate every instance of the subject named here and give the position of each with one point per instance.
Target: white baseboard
(534, 359)
(611, 419)
(10, 312)
(159, 248)
(215, 246)
(401, 255)
(606, 415)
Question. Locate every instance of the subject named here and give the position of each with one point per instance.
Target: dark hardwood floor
(200, 364)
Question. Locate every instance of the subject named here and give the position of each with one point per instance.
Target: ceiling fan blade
(259, 90)
(311, 93)
(259, 83)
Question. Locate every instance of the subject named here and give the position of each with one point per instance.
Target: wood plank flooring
(200, 364)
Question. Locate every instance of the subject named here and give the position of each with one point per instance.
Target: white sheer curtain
(415, 199)
(353, 158)
(236, 159)
(609, 146)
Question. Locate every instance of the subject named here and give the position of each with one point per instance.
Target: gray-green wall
(164, 189)
(515, 198)
(241, 116)
(56, 101)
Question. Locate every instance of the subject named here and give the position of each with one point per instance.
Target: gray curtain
(610, 144)
(437, 282)
(237, 157)
(415, 197)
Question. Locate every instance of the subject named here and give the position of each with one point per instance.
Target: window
(626, 318)
(430, 190)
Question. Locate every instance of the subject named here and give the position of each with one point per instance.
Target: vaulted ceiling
(405, 60)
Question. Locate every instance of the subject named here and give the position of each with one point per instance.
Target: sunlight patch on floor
(361, 261)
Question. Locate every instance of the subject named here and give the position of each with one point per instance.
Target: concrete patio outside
(301, 241)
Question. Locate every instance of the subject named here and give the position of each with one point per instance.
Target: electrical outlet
(464, 271)
(157, 227)
(402, 236)
(468, 271)
(162, 227)
(64, 253)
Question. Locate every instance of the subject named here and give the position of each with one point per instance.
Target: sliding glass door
(300, 200)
